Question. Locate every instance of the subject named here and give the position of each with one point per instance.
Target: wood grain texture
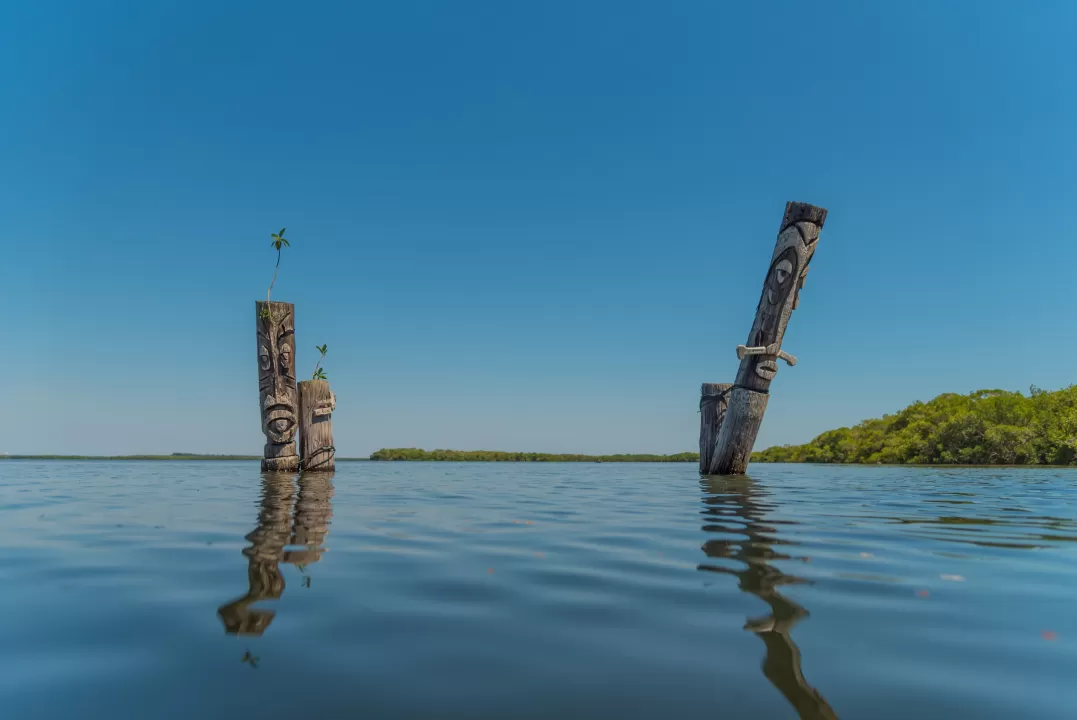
(712, 407)
(316, 405)
(798, 236)
(277, 396)
(793, 250)
(743, 418)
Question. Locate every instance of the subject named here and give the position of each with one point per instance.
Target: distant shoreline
(155, 458)
(394, 455)
(544, 458)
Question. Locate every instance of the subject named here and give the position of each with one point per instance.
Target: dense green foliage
(496, 456)
(987, 427)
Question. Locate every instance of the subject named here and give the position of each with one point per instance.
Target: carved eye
(782, 271)
(263, 358)
(285, 357)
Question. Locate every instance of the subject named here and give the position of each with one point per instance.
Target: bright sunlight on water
(205, 590)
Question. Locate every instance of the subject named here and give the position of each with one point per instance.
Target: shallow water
(183, 589)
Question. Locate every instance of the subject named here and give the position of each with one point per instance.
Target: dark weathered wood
(277, 396)
(712, 404)
(744, 415)
(798, 236)
(316, 405)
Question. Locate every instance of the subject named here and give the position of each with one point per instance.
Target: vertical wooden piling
(316, 405)
(798, 236)
(277, 397)
(712, 406)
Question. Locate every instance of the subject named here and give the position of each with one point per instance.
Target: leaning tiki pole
(277, 396)
(797, 240)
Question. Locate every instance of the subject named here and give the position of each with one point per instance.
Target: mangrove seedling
(319, 374)
(277, 241)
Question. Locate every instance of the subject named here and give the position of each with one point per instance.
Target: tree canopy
(986, 427)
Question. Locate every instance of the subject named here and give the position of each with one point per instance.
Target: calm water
(180, 590)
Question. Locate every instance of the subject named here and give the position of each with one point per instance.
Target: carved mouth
(767, 369)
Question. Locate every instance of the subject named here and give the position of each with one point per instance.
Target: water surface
(205, 589)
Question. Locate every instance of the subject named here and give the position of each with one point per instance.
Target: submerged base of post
(712, 405)
(743, 417)
(280, 458)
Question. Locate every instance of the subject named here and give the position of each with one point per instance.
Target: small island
(415, 454)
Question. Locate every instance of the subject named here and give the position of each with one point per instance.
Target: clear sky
(524, 225)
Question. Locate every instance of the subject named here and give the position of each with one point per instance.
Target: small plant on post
(319, 374)
(278, 242)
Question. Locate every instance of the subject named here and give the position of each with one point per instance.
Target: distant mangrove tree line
(987, 427)
(497, 456)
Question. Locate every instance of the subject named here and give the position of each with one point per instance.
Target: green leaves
(277, 240)
(319, 374)
(986, 427)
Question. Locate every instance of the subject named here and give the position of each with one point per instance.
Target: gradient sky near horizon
(522, 225)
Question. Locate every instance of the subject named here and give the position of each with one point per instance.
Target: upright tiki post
(316, 405)
(797, 239)
(712, 405)
(277, 396)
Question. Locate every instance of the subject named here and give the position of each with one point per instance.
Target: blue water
(409, 590)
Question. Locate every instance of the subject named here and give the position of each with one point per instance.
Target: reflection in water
(275, 531)
(735, 505)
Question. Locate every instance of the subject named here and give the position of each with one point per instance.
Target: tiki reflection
(735, 505)
(313, 511)
(268, 544)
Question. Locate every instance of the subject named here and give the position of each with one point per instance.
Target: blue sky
(521, 225)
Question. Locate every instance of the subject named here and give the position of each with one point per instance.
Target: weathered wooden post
(798, 236)
(316, 405)
(277, 394)
(712, 404)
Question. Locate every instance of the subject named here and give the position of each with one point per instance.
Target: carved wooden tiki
(277, 395)
(316, 405)
(797, 239)
(712, 404)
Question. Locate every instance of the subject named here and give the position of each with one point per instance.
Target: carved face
(276, 375)
(781, 279)
(778, 288)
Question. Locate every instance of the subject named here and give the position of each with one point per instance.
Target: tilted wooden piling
(316, 405)
(712, 405)
(798, 236)
(277, 396)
